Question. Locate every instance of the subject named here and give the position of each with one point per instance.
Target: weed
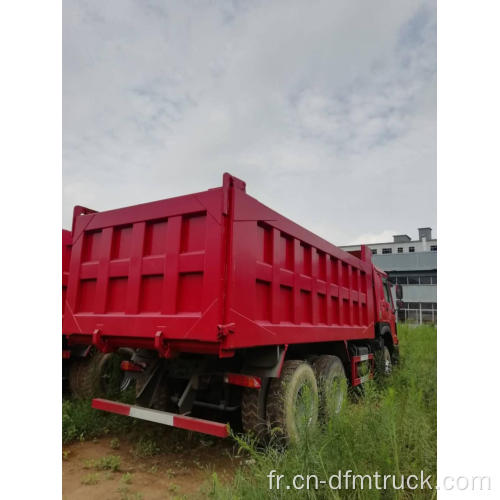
(126, 478)
(66, 454)
(90, 479)
(111, 463)
(173, 488)
(115, 443)
(125, 494)
(146, 448)
(123, 491)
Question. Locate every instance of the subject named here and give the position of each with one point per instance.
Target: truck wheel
(253, 411)
(76, 378)
(292, 400)
(332, 385)
(383, 362)
(97, 375)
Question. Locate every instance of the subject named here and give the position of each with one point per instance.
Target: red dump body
(211, 272)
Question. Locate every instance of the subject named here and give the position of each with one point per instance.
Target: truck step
(162, 417)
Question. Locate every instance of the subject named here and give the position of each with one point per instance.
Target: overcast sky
(327, 109)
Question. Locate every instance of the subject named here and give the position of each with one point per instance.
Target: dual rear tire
(98, 374)
(293, 404)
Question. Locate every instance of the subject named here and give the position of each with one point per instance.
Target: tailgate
(141, 276)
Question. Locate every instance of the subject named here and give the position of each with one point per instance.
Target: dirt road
(185, 471)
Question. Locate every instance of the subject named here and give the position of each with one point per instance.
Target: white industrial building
(413, 265)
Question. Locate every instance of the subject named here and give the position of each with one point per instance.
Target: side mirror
(399, 292)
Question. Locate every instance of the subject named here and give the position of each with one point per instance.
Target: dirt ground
(185, 472)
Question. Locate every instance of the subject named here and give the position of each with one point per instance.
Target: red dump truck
(228, 308)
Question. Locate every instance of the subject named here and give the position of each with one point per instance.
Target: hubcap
(387, 363)
(304, 407)
(337, 395)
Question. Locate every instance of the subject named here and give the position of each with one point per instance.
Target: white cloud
(382, 237)
(326, 109)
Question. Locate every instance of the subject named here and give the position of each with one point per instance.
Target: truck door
(383, 297)
(388, 307)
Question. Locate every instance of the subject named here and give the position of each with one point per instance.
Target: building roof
(394, 243)
(418, 261)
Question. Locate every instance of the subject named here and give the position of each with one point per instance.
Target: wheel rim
(337, 394)
(387, 362)
(304, 408)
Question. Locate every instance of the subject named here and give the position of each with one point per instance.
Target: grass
(90, 479)
(125, 494)
(115, 443)
(126, 478)
(391, 430)
(80, 422)
(110, 463)
(146, 448)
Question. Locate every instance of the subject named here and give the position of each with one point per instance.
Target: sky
(327, 109)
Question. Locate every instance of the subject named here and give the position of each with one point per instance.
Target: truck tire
(97, 375)
(332, 385)
(292, 401)
(383, 362)
(253, 411)
(76, 379)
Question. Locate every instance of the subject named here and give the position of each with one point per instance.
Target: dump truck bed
(211, 272)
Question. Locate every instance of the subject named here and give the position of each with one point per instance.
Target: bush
(81, 422)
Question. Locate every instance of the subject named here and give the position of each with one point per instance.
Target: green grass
(80, 422)
(90, 479)
(126, 478)
(391, 430)
(146, 448)
(111, 463)
(125, 494)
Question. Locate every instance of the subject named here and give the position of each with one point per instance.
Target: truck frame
(229, 307)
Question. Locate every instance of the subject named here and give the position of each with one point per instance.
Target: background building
(412, 264)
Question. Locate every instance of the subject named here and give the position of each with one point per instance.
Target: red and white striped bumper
(163, 417)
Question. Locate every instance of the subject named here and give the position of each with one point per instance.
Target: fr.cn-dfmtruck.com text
(347, 480)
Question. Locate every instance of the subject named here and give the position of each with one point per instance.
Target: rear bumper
(162, 417)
